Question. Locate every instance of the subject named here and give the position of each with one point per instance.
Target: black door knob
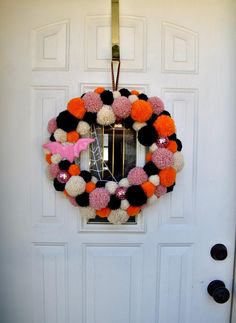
(219, 251)
(218, 291)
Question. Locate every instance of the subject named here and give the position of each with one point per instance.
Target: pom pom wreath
(72, 200)
(167, 176)
(160, 190)
(163, 158)
(52, 125)
(83, 128)
(148, 188)
(74, 170)
(99, 90)
(82, 199)
(151, 169)
(72, 136)
(118, 217)
(138, 125)
(151, 120)
(86, 175)
(164, 125)
(66, 121)
(133, 210)
(148, 156)
(124, 182)
(151, 199)
(121, 107)
(141, 111)
(48, 158)
(172, 137)
(107, 97)
(157, 104)
(92, 102)
(56, 158)
(100, 183)
(53, 170)
(60, 135)
(124, 204)
(147, 136)
(128, 122)
(52, 138)
(75, 186)
(116, 94)
(64, 164)
(154, 179)
(94, 179)
(125, 92)
(90, 186)
(153, 148)
(172, 146)
(133, 98)
(76, 107)
(99, 198)
(170, 188)
(179, 145)
(142, 96)
(106, 116)
(137, 176)
(165, 113)
(90, 117)
(178, 161)
(103, 213)
(111, 187)
(114, 203)
(136, 196)
(58, 185)
(87, 212)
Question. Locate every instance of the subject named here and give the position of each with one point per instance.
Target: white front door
(55, 267)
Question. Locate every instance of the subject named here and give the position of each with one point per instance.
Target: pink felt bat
(69, 151)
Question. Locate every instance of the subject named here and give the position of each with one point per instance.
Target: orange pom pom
(72, 136)
(90, 186)
(74, 170)
(141, 111)
(133, 210)
(135, 92)
(164, 125)
(48, 158)
(99, 90)
(148, 156)
(172, 146)
(76, 107)
(66, 194)
(167, 176)
(103, 213)
(148, 188)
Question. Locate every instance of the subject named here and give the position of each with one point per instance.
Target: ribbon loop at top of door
(115, 25)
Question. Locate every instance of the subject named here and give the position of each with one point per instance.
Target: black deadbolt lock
(219, 252)
(218, 291)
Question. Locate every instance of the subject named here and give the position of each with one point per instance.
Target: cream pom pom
(116, 94)
(56, 158)
(111, 187)
(87, 212)
(153, 147)
(75, 186)
(124, 204)
(106, 116)
(154, 179)
(83, 128)
(124, 182)
(152, 199)
(60, 135)
(133, 98)
(178, 161)
(94, 179)
(118, 216)
(48, 173)
(138, 125)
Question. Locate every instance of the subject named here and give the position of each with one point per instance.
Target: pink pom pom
(137, 176)
(163, 158)
(52, 125)
(99, 198)
(72, 201)
(92, 102)
(157, 104)
(160, 190)
(54, 170)
(121, 107)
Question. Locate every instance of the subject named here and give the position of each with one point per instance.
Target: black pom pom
(142, 96)
(125, 92)
(147, 135)
(86, 175)
(151, 169)
(152, 119)
(170, 188)
(83, 95)
(128, 122)
(64, 164)
(66, 121)
(52, 138)
(100, 183)
(90, 117)
(166, 113)
(82, 199)
(179, 145)
(172, 137)
(136, 196)
(58, 186)
(114, 203)
(107, 97)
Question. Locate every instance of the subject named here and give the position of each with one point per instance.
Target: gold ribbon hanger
(115, 26)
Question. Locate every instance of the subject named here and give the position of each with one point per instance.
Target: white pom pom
(124, 182)
(48, 174)
(83, 128)
(133, 98)
(56, 158)
(116, 94)
(152, 200)
(106, 116)
(94, 179)
(118, 216)
(111, 187)
(153, 147)
(124, 204)
(138, 125)
(178, 161)
(60, 135)
(87, 212)
(154, 179)
(75, 186)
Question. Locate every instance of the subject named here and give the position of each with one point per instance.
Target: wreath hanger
(115, 40)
